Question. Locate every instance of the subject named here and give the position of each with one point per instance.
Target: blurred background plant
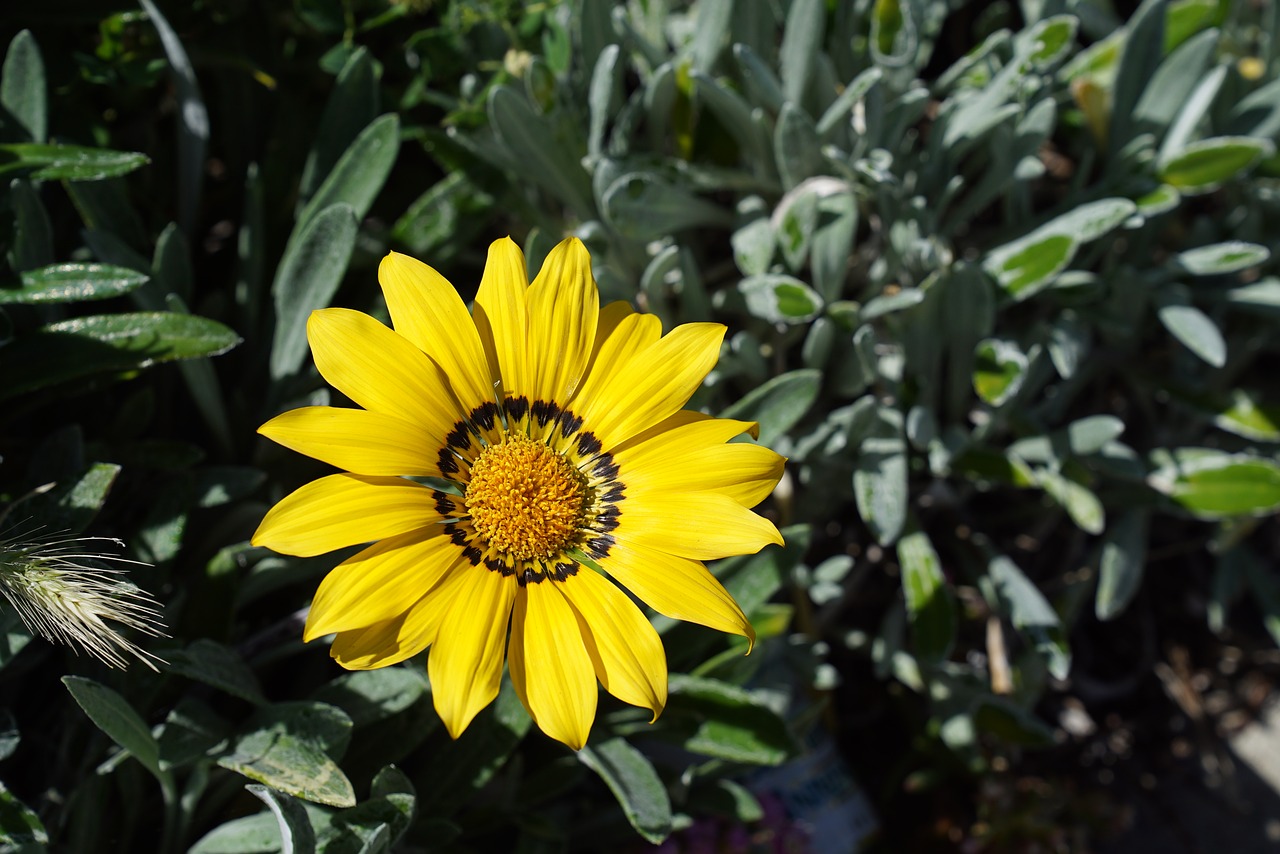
(999, 281)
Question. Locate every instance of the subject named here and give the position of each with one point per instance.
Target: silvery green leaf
(892, 302)
(763, 86)
(796, 147)
(60, 283)
(1190, 325)
(1048, 41)
(779, 404)
(794, 222)
(832, 244)
(818, 343)
(352, 106)
(296, 834)
(1139, 59)
(1216, 485)
(1229, 257)
(315, 260)
(644, 207)
(880, 477)
(999, 369)
(1031, 614)
(634, 782)
(360, 173)
(544, 158)
(1124, 554)
(842, 105)
(1208, 164)
(1081, 504)
(1174, 81)
(753, 246)
(1258, 113)
(735, 114)
(780, 299)
(1068, 344)
(23, 93)
(711, 32)
(602, 95)
(1186, 124)
(801, 40)
(1160, 200)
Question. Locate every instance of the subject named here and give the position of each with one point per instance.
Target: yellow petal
(391, 641)
(627, 654)
(682, 589)
(466, 662)
(696, 525)
(564, 306)
(343, 510)
(357, 440)
(744, 472)
(654, 383)
(381, 582)
(627, 337)
(381, 370)
(550, 668)
(502, 317)
(713, 431)
(427, 310)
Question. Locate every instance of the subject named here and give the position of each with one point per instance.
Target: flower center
(525, 499)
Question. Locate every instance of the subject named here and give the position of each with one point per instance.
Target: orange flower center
(525, 499)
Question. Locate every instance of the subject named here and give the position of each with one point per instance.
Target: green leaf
(192, 119)
(72, 282)
(33, 232)
(779, 404)
(1031, 613)
(930, 607)
(314, 262)
(636, 785)
(287, 746)
(110, 343)
(1051, 39)
(371, 696)
(69, 162)
(112, 714)
(1250, 417)
(252, 834)
(780, 299)
(1081, 504)
(359, 174)
(1140, 57)
(548, 161)
(1217, 258)
(1208, 164)
(1124, 554)
(1190, 325)
(797, 148)
(23, 93)
(296, 833)
(797, 56)
(19, 824)
(880, 477)
(753, 246)
(352, 105)
(730, 723)
(1160, 200)
(1029, 264)
(643, 207)
(998, 371)
(602, 97)
(72, 505)
(1217, 486)
(832, 242)
(213, 664)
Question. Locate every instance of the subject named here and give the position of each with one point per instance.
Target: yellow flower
(559, 430)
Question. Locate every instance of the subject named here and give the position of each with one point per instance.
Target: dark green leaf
(69, 162)
(22, 87)
(19, 824)
(352, 105)
(730, 723)
(73, 282)
(314, 262)
(1031, 613)
(289, 747)
(880, 477)
(1190, 325)
(213, 664)
(1208, 164)
(635, 783)
(113, 715)
(359, 174)
(1124, 554)
(1221, 485)
(643, 207)
(296, 833)
(930, 607)
(778, 404)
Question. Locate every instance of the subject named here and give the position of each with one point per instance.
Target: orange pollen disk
(525, 499)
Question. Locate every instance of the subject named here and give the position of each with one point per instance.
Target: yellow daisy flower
(558, 427)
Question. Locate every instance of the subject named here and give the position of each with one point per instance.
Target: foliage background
(999, 279)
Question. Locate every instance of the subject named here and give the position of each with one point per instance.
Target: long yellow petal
(654, 384)
(357, 440)
(627, 654)
(394, 640)
(682, 589)
(466, 662)
(427, 310)
(564, 306)
(695, 525)
(550, 668)
(502, 317)
(630, 335)
(712, 431)
(381, 582)
(746, 473)
(343, 510)
(380, 370)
